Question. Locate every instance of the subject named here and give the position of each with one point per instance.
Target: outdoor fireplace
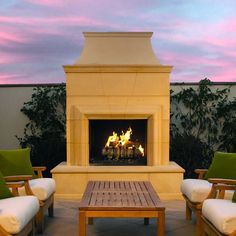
(118, 142)
(118, 85)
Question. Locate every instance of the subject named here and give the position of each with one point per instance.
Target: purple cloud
(37, 37)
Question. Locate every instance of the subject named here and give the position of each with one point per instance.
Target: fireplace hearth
(118, 142)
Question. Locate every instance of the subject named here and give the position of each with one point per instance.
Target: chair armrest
(14, 187)
(17, 178)
(39, 170)
(222, 181)
(201, 172)
(20, 178)
(221, 185)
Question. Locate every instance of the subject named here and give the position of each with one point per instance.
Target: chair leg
(188, 214)
(40, 220)
(146, 221)
(51, 210)
(90, 220)
(32, 232)
(199, 223)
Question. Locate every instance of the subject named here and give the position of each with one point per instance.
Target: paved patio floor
(65, 223)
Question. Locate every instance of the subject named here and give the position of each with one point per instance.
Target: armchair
(17, 162)
(195, 191)
(219, 215)
(17, 213)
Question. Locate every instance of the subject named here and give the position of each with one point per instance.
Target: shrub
(45, 132)
(201, 120)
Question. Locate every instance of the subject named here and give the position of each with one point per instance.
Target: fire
(141, 149)
(124, 138)
(113, 138)
(122, 146)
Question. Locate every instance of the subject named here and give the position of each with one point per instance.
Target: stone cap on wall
(117, 48)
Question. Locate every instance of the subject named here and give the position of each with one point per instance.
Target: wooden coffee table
(110, 199)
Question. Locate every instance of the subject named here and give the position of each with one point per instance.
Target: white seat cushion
(221, 213)
(196, 190)
(42, 188)
(16, 212)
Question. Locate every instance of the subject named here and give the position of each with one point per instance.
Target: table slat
(120, 194)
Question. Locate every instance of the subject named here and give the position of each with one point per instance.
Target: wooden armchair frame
(48, 204)
(29, 229)
(220, 186)
(195, 207)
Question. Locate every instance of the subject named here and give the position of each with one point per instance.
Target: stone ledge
(64, 168)
(117, 68)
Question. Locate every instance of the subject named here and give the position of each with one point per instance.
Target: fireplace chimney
(117, 48)
(118, 77)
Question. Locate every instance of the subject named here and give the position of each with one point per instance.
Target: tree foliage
(45, 132)
(201, 120)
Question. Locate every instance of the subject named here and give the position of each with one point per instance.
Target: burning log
(121, 146)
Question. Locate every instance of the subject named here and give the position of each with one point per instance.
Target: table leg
(90, 221)
(146, 221)
(82, 223)
(161, 223)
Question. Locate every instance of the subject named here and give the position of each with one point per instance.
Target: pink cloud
(193, 68)
(8, 58)
(11, 36)
(225, 42)
(11, 78)
(63, 20)
(196, 47)
(50, 3)
(225, 75)
(229, 25)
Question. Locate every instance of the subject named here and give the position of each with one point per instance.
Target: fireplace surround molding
(78, 135)
(117, 77)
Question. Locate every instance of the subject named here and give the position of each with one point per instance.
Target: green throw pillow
(16, 162)
(223, 166)
(4, 190)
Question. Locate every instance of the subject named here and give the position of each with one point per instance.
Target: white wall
(12, 121)
(177, 88)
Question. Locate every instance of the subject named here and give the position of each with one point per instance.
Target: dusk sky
(37, 37)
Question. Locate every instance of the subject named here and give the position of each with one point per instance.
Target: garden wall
(12, 98)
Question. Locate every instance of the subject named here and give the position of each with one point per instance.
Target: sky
(37, 37)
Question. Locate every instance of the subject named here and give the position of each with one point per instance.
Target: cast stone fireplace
(118, 108)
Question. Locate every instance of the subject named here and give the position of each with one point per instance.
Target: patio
(65, 222)
(97, 99)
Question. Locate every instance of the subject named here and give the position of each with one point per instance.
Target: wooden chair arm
(201, 173)
(21, 179)
(222, 181)
(14, 187)
(17, 178)
(39, 170)
(220, 186)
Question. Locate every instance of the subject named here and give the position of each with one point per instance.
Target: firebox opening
(118, 142)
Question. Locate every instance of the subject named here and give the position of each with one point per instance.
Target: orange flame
(112, 138)
(124, 138)
(123, 141)
(141, 149)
